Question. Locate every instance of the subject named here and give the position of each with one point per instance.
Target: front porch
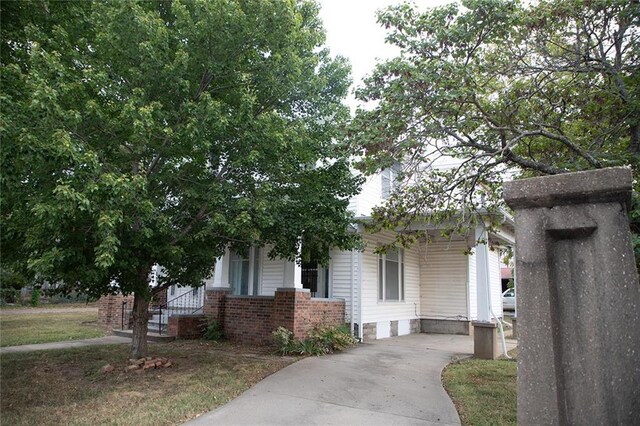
(251, 319)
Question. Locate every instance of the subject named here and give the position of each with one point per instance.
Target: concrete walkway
(107, 340)
(390, 381)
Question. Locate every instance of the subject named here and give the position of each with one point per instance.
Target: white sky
(352, 32)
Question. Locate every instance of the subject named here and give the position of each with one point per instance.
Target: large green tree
(142, 133)
(489, 90)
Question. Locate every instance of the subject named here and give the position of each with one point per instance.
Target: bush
(284, 341)
(333, 338)
(9, 295)
(35, 297)
(213, 331)
(322, 340)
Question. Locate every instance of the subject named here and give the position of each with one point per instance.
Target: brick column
(110, 311)
(214, 301)
(291, 310)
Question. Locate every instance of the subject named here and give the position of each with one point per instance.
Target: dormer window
(390, 180)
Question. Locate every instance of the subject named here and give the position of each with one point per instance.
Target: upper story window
(390, 179)
(391, 276)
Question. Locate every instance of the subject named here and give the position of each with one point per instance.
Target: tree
(143, 133)
(496, 89)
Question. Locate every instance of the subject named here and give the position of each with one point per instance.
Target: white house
(431, 287)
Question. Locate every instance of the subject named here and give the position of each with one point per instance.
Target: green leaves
(493, 90)
(161, 132)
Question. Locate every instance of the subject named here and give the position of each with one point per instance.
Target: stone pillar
(514, 328)
(485, 340)
(578, 299)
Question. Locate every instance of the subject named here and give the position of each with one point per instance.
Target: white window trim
(401, 278)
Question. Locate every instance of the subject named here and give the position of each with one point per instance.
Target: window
(391, 276)
(390, 180)
(172, 290)
(238, 274)
(244, 271)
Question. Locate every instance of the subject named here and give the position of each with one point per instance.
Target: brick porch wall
(110, 311)
(186, 326)
(251, 319)
(247, 319)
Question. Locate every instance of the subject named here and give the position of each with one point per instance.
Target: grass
(484, 392)
(68, 386)
(65, 305)
(23, 329)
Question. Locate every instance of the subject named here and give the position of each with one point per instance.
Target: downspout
(352, 304)
(468, 290)
(361, 324)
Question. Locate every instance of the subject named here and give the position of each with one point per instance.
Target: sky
(352, 32)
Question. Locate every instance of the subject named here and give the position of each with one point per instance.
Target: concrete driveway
(394, 381)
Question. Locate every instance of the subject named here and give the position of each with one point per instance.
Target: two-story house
(434, 286)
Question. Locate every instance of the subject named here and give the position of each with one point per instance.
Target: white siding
(369, 197)
(444, 281)
(341, 280)
(495, 282)
(272, 273)
(473, 287)
(372, 309)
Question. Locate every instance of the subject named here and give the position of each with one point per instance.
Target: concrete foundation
(485, 340)
(436, 326)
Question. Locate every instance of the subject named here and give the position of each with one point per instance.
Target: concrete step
(151, 336)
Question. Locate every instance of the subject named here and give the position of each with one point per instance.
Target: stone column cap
(296, 289)
(227, 289)
(484, 324)
(593, 186)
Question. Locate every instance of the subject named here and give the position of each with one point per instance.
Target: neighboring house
(430, 287)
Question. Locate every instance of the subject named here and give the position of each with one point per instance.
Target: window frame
(389, 180)
(382, 277)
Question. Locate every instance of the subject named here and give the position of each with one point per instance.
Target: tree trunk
(140, 326)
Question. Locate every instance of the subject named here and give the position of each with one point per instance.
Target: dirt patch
(72, 387)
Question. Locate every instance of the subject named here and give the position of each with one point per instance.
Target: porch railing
(190, 302)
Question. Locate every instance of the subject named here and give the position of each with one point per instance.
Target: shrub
(9, 295)
(322, 340)
(333, 338)
(284, 341)
(35, 297)
(213, 331)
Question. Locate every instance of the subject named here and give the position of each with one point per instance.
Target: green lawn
(69, 387)
(484, 392)
(41, 306)
(23, 329)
